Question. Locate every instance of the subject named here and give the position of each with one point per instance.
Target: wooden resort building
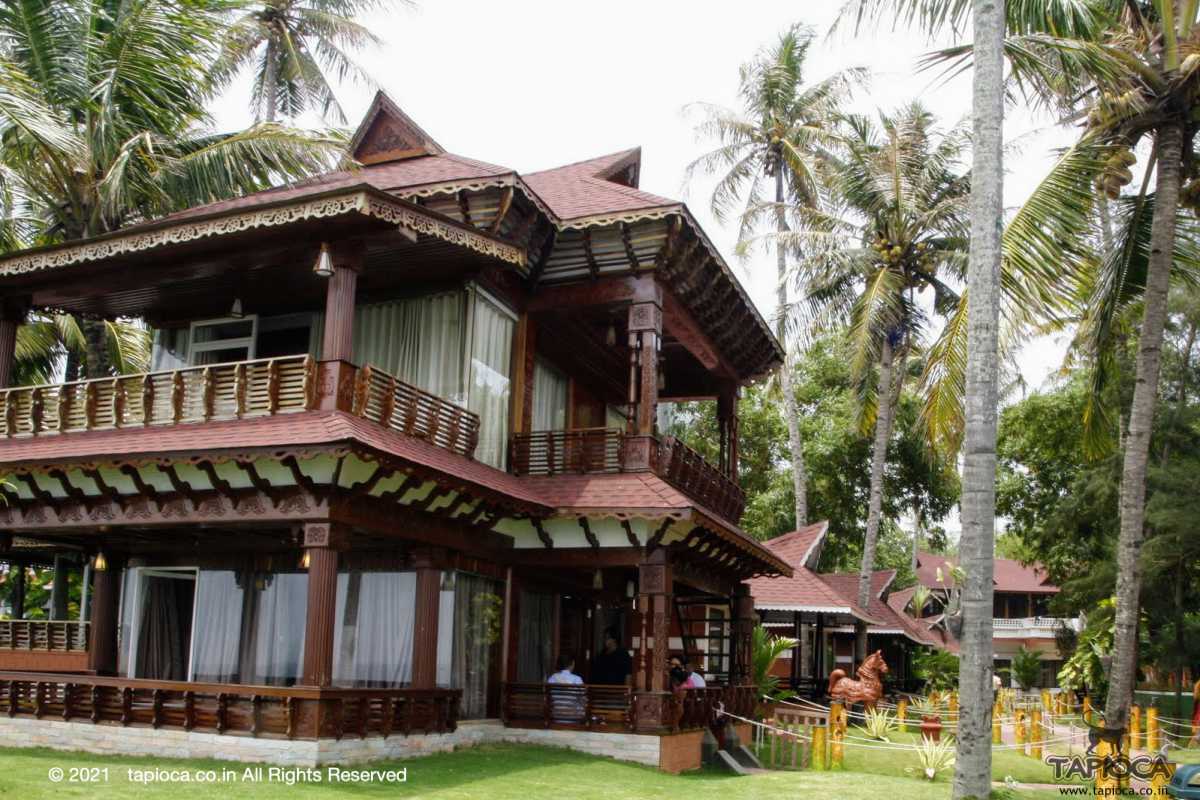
(396, 453)
(819, 611)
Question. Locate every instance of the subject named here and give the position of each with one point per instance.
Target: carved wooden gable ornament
(388, 134)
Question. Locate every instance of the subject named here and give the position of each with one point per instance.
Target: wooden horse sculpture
(867, 689)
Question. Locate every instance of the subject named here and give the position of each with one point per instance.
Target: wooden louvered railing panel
(237, 390)
(579, 450)
(45, 635)
(389, 401)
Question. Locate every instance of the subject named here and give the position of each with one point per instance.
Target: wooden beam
(506, 198)
(601, 292)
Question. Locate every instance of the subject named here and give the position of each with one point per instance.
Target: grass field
(492, 773)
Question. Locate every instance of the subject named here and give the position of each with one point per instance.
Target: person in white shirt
(567, 704)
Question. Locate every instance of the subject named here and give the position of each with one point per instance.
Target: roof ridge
(582, 162)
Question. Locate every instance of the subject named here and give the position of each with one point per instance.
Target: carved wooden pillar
(425, 627)
(8, 345)
(58, 589)
(727, 421)
(654, 606)
(106, 595)
(321, 542)
(743, 634)
(645, 339)
(338, 341)
(16, 569)
(512, 627)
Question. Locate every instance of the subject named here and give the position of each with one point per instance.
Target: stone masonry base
(671, 753)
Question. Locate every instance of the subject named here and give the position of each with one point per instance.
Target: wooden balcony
(232, 391)
(605, 450)
(214, 392)
(293, 712)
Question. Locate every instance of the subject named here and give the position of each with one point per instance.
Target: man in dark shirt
(612, 665)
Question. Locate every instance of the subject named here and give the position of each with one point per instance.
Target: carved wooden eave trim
(509, 180)
(623, 217)
(363, 200)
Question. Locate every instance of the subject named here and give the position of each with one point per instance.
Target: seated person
(567, 704)
(682, 677)
(612, 665)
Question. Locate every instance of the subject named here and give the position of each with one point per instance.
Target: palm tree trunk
(973, 764)
(795, 446)
(95, 358)
(1141, 418)
(270, 85)
(883, 433)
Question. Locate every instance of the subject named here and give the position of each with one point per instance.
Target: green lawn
(494, 773)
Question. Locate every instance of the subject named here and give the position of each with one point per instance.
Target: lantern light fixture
(324, 264)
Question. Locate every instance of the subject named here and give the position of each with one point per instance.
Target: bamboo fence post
(1106, 783)
(820, 757)
(997, 738)
(902, 713)
(1035, 734)
(1152, 740)
(1135, 727)
(1087, 709)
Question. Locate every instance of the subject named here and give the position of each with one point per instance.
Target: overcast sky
(530, 84)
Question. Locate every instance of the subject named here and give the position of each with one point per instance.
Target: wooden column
(338, 341)
(8, 345)
(321, 542)
(58, 589)
(106, 596)
(512, 627)
(425, 627)
(798, 649)
(727, 422)
(819, 650)
(653, 697)
(645, 338)
(16, 569)
(743, 635)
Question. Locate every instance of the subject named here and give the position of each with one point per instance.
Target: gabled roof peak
(622, 167)
(386, 133)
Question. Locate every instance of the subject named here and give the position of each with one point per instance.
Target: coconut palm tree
(973, 763)
(770, 145)
(1130, 70)
(895, 227)
(103, 123)
(294, 48)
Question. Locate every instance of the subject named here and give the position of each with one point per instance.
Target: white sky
(531, 84)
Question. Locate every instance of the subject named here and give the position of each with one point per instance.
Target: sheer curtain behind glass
(536, 614)
(419, 340)
(549, 398)
(373, 638)
(218, 634)
(477, 620)
(488, 387)
(278, 626)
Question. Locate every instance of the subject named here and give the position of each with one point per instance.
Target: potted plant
(931, 718)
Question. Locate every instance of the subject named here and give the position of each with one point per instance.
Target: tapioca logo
(1119, 766)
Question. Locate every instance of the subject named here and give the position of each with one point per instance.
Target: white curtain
(535, 614)
(549, 398)
(477, 610)
(218, 634)
(491, 357)
(419, 340)
(373, 634)
(129, 581)
(279, 630)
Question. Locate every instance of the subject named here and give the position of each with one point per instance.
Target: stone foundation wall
(671, 753)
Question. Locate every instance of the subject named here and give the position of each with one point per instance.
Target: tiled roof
(1009, 575)
(581, 189)
(801, 548)
(291, 430)
(391, 176)
(846, 584)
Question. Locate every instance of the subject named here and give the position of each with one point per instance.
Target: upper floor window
(549, 398)
(221, 341)
(490, 367)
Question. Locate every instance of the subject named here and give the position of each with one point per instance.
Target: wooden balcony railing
(196, 394)
(387, 400)
(604, 450)
(229, 708)
(587, 706)
(60, 636)
(687, 471)
(579, 450)
(611, 708)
